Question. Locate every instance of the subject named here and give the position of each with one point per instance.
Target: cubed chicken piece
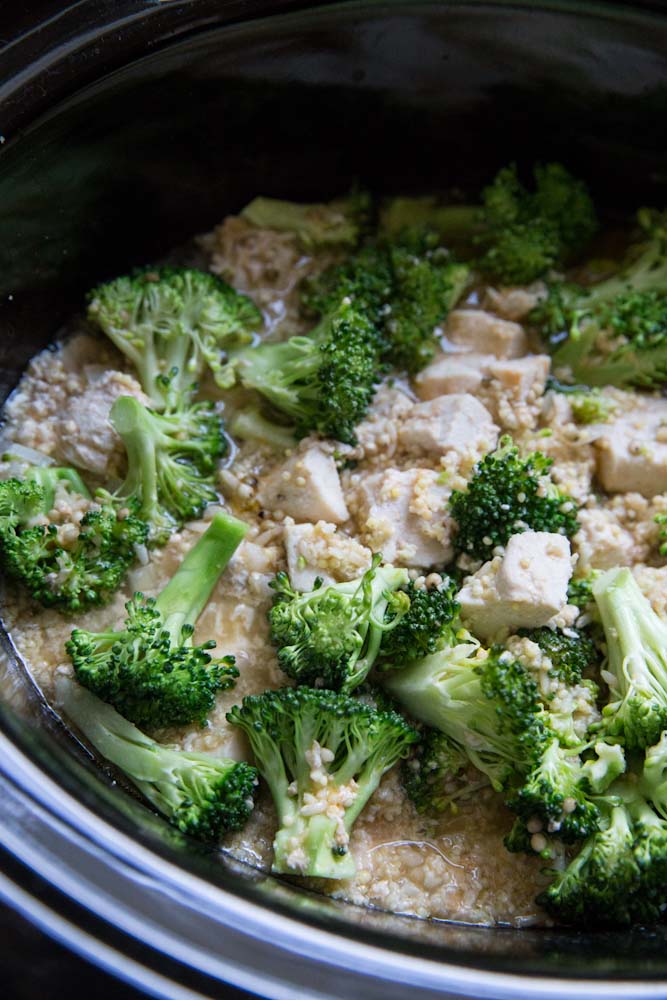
(632, 454)
(523, 378)
(602, 542)
(403, 515)
(514, 303)
(306, 487)
(448, 373)
(318, 550)
(458, 422)
(480, 331)
(524, 588)
(87, 439)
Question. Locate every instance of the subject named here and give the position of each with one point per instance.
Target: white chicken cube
(318, 550)
(403, 515)
(632, 454)
(524, 588)
(448, 373)
(522, 377)
(86, 438)
(307, 488)
(458, 422)
(477, 330)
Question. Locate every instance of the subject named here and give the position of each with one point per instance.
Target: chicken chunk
(601, 542)
(514, 389)
(458, 422)
(87, 439)
(403, 515)
(455, 372)
(318, 550)
(632, 453)
(480, 331)
(306, 487)
(514, 303)
(524, 588)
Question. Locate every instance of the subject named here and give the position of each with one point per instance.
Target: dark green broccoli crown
(426, 774)
(144, 674)
(506, 496)
(555, 793)
(519, 839)
(214, 796)
(425, 627)
(580, 589)
(71, 575)
(364, 742)
(571, 652)
(174, 318)
(172, 459)
(324, 382)
(526, 233)
(330, 636)
(425, 289)
(366, 278)
(516, 701)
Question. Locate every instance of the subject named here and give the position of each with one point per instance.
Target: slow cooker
(125, 128)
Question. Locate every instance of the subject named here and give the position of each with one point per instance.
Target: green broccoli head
(174, 320)
(526, 233)
(636, 668)
(430, 622)
(323, 382)
(70, 565)
(150, 670)
(331, 636)
(432, 772)
(489, 709)
(336, 223)
(571, 652)
(202, 795)
(172, 459)
(366, 278)
(508, 494)
(425, 289)
(322, 755)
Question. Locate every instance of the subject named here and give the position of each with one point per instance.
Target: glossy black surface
(191, 114)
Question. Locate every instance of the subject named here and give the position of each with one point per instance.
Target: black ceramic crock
(125, 128)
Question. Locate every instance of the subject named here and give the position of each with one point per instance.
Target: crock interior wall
(398, 97)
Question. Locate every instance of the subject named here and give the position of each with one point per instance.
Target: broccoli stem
(187, 593)
(315, 835)
(251, 425)
(47, 478)
(133, 423)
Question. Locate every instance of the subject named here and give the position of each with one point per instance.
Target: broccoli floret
(367, 278)
(412, 221)
(167, 320)
(591, 407)
(489, 710)
(70, 565)
(571, 653)
(319, 748)
(661, 520)
(508, 494)
(428, 624)
(613, 332)
(425, 289)
(204, 796)
(251, 425)
(335, 223)
(331, 636)
(524, 234)
(580, 590)
(324, 382)
(150, 670)
(430, 774)
(171, 458)
(636, 668)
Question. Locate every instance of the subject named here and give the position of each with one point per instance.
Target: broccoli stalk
(171, 461)
(322, 755)
(71, 565)
(323, 382)
(331, 636)
(636, 669)
(508, 494)
(316, 226)
(174, 322)
(150, 670)
(202, 795)
(251, 425)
